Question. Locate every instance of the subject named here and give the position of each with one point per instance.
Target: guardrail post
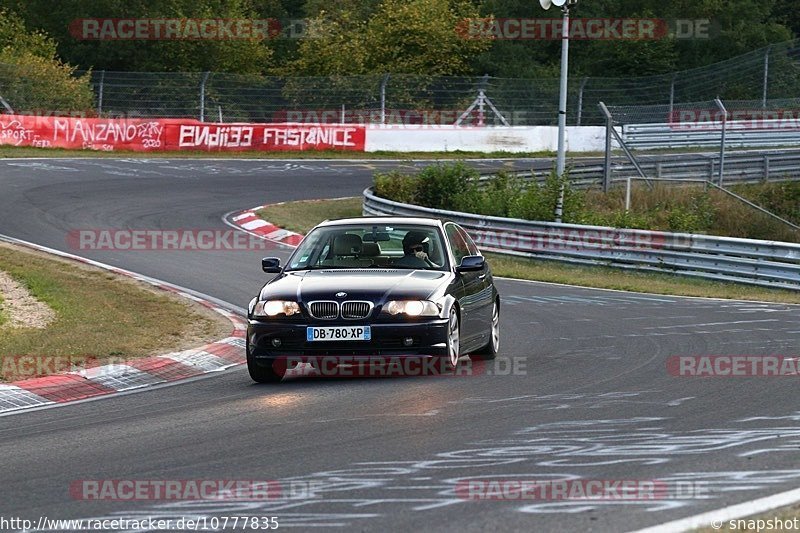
(766, 168)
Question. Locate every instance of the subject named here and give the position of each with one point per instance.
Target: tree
(31, 77)
(402, 37)
(234, 55)
(34, 84)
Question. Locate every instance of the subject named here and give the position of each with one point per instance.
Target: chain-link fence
(760, 77)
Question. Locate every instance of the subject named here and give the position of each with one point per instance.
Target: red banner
(153, 135)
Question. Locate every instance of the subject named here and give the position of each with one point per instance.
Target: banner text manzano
(146, 135)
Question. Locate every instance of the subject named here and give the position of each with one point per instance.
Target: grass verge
(3, 317)
(303, 215)
(456, 186)
(652, 282)
(100, 315)
(24, 151)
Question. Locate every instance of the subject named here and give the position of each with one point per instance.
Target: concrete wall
(496, 139)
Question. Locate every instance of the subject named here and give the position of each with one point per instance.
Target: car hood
(376, 286)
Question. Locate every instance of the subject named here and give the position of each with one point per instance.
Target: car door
(469, 302)
(486, 292)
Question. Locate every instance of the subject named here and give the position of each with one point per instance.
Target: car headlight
(271, 308)
(411, 308)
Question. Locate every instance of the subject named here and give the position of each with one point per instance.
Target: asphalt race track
(581, 389)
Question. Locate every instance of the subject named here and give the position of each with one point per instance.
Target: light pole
(562, 96)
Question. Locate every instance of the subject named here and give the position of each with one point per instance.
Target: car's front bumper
(428, 339)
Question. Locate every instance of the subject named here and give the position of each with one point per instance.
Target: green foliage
(783, 198)
(32, 78)
(415, 37)
(401, 37)
(456, 186)
(438, 185)
(441, 186)
(14, 36)
(666, 208)
(396, 186)
(501, 194)
(735, 28)
(33, 83)
(533, 204)
(234, 55)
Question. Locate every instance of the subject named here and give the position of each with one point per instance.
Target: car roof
(414, 221)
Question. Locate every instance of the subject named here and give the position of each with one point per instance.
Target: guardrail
(740, 167)
(764, 263)
(738, 134)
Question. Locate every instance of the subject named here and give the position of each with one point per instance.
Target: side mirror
(271, 265)
(471, 263)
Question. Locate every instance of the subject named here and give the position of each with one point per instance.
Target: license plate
(342, 333)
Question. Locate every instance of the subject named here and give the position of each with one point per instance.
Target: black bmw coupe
(368, 289)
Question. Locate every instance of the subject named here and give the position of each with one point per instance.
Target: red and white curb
(134, 373)
(249, 221)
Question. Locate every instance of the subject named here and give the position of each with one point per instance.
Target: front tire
(489, 352)
(450, 361)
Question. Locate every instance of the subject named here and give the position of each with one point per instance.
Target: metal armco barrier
(740, 167)
(764, 263)
(665, 135)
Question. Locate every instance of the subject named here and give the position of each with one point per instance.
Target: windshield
(371, 246)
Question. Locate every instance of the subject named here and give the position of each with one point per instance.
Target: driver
(416, 245)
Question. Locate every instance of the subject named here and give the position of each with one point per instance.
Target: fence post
(100, 92)
(203, 96)
(766, 78)
(6, 105)
(384, 82)
(671, 97)
(580, 99)
(607, 158)
(628, 194)
(722, 137)
(621, 142)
